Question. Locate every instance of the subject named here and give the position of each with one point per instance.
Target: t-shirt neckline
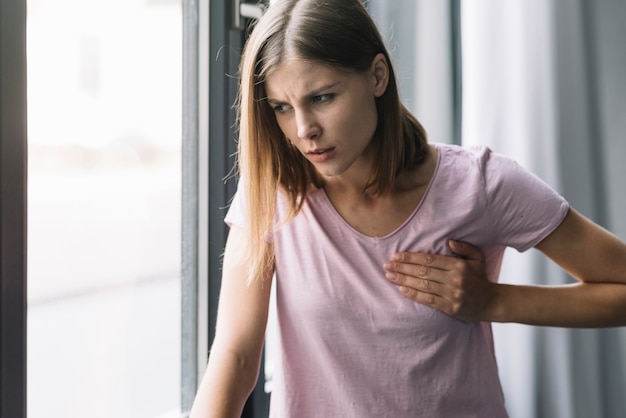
(403, 225)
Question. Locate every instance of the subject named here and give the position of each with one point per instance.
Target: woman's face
(328, 114)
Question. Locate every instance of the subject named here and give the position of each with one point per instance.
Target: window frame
(13, 175)
(213, 39)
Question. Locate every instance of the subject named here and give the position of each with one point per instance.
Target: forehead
(295, 77)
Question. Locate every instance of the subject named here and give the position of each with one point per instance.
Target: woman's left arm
(458, 285)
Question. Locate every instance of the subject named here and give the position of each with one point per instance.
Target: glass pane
(104, 110)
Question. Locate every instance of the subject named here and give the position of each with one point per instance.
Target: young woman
(386, 249)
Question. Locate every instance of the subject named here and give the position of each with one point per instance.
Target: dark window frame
(13, 176)
(213, 40)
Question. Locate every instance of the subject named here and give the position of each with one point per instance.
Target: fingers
(405, 273)
(462, 249)
(436, 261)
(446, 294)
(466, 250)
(425, 298)
(455, 307)
(455, 285)
(426, 285)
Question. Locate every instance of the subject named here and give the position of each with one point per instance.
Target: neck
(353, 182)
(354, 179)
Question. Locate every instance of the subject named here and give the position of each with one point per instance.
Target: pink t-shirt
(349, 344)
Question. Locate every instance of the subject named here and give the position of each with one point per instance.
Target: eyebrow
(307, 96)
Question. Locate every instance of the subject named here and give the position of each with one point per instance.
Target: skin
(328, 109)
(236, 351)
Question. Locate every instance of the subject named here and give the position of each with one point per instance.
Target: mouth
(320, 155)
(320, 151)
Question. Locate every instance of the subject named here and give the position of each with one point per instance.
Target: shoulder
(477, 155)
(463, 165)
(460, 162)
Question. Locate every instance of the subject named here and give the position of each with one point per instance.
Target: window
(104, 191)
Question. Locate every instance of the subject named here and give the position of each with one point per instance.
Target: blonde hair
(336, 32)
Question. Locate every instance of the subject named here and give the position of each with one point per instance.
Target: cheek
(285, 127)
(366, 119)
(289, 131)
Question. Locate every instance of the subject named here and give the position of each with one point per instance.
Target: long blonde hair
(336, 32)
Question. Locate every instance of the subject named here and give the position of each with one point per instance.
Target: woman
(385, 249)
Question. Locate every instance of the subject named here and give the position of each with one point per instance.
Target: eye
(280, 108)
(320, 98)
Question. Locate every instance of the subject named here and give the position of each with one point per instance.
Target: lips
(319, 155)
(318, 151)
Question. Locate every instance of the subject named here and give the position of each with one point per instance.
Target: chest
(377, 217)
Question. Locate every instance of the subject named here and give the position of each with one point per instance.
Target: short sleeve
(522, 208)
(236, 214)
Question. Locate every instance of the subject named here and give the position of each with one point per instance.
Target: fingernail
(389, 266)
(398, 257)
(392, 276)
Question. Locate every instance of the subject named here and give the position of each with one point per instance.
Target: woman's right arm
(240, 332)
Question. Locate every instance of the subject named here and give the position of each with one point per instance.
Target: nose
(306, 124)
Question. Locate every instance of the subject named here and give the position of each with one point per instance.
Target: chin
(328, 169)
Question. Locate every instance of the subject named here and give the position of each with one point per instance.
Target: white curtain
(543, 82)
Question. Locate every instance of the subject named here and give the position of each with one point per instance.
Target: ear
(380, 72)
